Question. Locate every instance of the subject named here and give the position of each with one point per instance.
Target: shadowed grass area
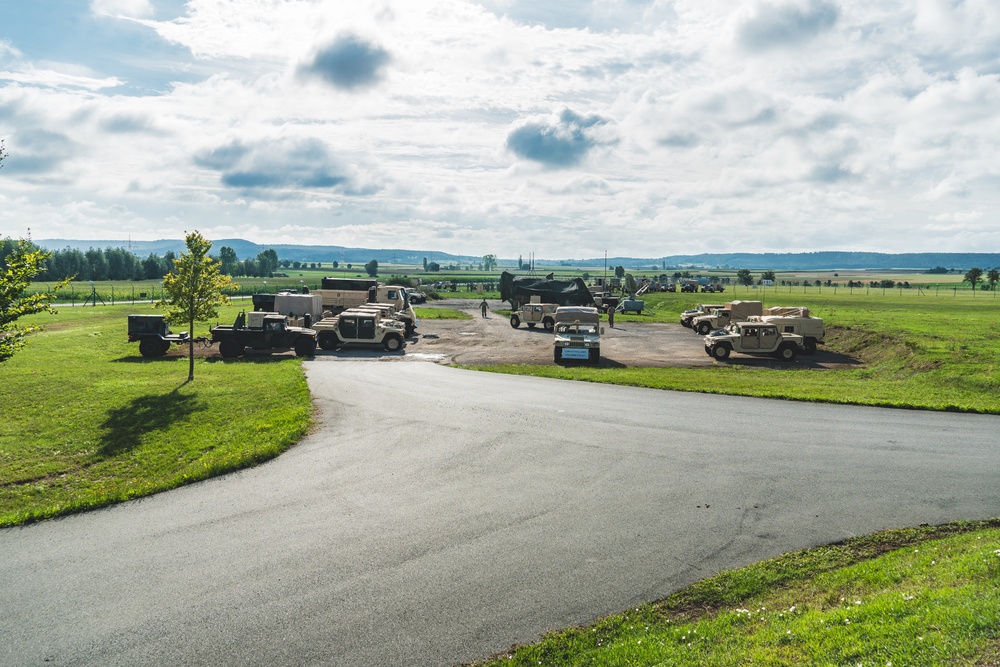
(89, 422)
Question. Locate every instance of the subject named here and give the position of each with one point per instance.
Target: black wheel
(515, 321)
(392, 343)
(549, 324)
(704, 328)
(787, 352)
(151, 347)
(594, 356)
(230, 349)
(720, 352)
(305, 347)
(810, 346)
(686, 323)
(557, 355)
(164, 347)
(328, 340)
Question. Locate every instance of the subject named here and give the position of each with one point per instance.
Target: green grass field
(89, 422)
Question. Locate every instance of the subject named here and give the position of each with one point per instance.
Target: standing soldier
(484, 307)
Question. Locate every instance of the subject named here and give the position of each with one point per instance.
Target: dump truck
(262, 331)
(362, 327)
(755, 338)
(577, 334)
(153, 334)
(796, 320)
(339, 294)
(701, 309)
(734, 311)
(533, 314)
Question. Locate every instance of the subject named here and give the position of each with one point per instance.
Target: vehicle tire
(557, 354)
(150, 347)
(810, 346)
(305, 347)
(720, 352)
(327, 340)
(230, 349)
(686, 323)
(549, 324)
(531, 325)
(515, 321)
(787, 352)
(392, 343)
(164, 347)
(639, 312)
(704, 328)
(595, 356)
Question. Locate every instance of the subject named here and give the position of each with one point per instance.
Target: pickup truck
(755, 338)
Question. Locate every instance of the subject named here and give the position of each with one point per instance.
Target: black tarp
(520, 289)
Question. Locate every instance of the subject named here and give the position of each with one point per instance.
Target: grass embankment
(897, 350)
(440, 314)
(924, 596)
(88, 422)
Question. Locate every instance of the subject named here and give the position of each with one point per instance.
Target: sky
(639, 128)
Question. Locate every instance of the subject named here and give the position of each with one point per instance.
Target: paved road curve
(439, 515)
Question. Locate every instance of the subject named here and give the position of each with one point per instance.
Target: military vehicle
(796, 321)
(262, 331)
(577, 334)
(361, 327)
(339, 294)
(702, 309)
(533, 314)
(519, 290)
(756, 338)
(734, 311)
(153, 334)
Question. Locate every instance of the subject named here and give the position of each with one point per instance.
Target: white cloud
(135, 9)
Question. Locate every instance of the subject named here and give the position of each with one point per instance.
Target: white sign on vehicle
(575, 353)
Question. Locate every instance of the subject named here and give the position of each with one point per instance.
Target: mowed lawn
(88, 422)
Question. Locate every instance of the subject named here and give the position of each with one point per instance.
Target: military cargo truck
(262, 331)
(755, 338)
(153, 334)
(339, 294)
(577, 334)
(362, 327)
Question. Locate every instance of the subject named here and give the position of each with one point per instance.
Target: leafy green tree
(228, 260)
(973, 276)
(767, 275)
(993, 277)
(194, 289)
(744, 277)
(433, 266)
(23, 262)
(267, 262)
(619, 271)
(371, 268)
(489, 262)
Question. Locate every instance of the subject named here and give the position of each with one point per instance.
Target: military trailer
(702, 309)
(577, 334)
(754, 338)
(262, 331)
(533, 314)
(734, 311)
(153, 334)
(360, 327)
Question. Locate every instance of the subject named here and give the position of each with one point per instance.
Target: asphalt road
(439, 515)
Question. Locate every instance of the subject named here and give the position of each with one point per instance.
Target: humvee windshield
(577, 328)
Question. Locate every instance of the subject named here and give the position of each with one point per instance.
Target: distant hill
(802, 261)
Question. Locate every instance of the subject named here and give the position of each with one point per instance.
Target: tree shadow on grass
(125, 427)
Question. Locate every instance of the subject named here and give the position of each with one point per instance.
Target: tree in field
(619, 271)
(993, 277)
(229, 261)
(744, 277)
(371, 268)
(767, 275)
(194, 289)
(489, 262)
(24, 261)
(973, 276)
(433, 266)
(268, 262)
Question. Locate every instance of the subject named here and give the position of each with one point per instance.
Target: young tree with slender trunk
(195, 289)
(23, 263)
